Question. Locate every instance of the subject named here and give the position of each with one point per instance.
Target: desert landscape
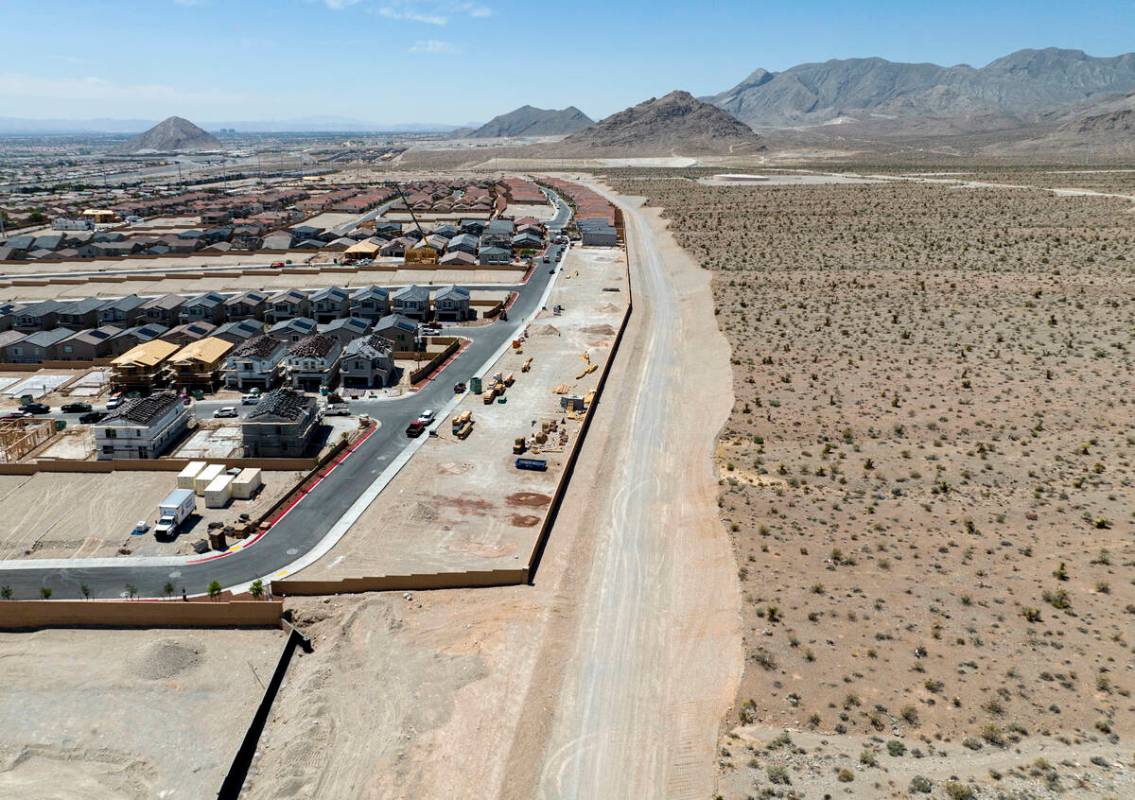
(926, 479)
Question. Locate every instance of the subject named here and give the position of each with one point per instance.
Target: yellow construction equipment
(509, 379)
(519, 446)
(527, 365)
(590, 368)
(465, 430)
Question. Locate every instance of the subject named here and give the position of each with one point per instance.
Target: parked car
(415, 429)
(114, 402)
(277, 264)
(249, 399)
(14, 415)
(91, 417)
(36, 408)
(427, 416)
(76, 408)
(337, 410)
(227, 412)
(459, 387)
(431, 330)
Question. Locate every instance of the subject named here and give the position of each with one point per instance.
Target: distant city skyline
(398, 62)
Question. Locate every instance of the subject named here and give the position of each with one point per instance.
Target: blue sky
(456, 61)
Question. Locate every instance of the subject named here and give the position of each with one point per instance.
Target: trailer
(534, 464)
(174, 510)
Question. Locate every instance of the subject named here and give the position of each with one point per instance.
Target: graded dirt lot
(927, 477)
(127, 715)
(86, 515)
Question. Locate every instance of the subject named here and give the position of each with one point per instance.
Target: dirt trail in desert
(627, 697)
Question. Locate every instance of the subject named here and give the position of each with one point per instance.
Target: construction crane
(417, 255)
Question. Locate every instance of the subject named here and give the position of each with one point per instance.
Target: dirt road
(654, 647)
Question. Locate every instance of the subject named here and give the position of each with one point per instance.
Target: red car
(415, 428)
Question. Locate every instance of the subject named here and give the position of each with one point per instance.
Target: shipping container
(245, 484)
(218, 493)
(186, 476)
(205, 477)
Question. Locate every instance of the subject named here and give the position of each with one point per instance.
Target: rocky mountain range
(871, 92)
(677, 123)
(171, 135)
(532, 121)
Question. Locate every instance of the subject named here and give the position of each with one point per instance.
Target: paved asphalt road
(308, 522)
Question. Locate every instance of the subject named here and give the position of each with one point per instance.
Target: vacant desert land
(928, 478)
(127, 715)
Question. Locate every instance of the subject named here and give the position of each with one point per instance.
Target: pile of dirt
(171, 135)
(546, 330)
(167, 658)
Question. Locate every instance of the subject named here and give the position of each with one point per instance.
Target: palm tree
(6, 592)
(256, 589)
(214, 590)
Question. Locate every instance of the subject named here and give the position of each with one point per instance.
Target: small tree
(85, 591)
(131, 591)
(168, 590)
(214, 590)
(256, 589)
(45, 592)
(6, 592)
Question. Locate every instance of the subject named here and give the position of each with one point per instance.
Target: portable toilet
(218, 492)
(186, 477)
(475, 385)
(245, 484)
(207, 476)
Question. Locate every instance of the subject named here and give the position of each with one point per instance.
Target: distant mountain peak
(531, 121)
(169, 135)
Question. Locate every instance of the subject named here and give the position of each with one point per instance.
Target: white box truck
(174, 510)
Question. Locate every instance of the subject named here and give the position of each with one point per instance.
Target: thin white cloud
(17, 85)
(339, 5)
(433, 47)
(432, 12)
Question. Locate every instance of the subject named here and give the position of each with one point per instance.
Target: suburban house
(278, 240)
(141, 428)
(497, 233)
(458, 258)
(189, 332)
(400, 331)
(141, 367)
(313, 362)
(208, 307)
(239, 331)
(288, 304)
(7, 339)
(451, 304)
(80, 314)
(88, 345)
(37, 316)
(396, 248)
(292, 330)
(527, 240)
(199, 363)
(37, 347)
(370, 302)
(330, 303)
(367, 362)
(475, 227)
(132, 337)
(164, 310)
(124, 312)
(346, 329)
(464, 243)
(412, 301)
(495, 255)
(282, 425)
(387, 229)
(255, 363)
(246, 305)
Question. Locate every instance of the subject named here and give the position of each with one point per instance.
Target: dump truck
(174, 510)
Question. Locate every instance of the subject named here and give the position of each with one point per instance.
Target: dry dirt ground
(127, 715)
(609, 676)
(77, 515)
(927, 475)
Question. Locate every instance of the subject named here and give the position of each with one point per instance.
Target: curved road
(307, 524)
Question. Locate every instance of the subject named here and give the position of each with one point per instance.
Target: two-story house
(141, 428)
(411, 301)
(330, 303)
(284, 424)
(402, 332)
(368, 362)
(207, 307)
(256, 363)
(198, 364)
(313, 362)
(451, 304)
(370, 302)
(246, 305)
(288, 304)
(164, 310)
(123, 312)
